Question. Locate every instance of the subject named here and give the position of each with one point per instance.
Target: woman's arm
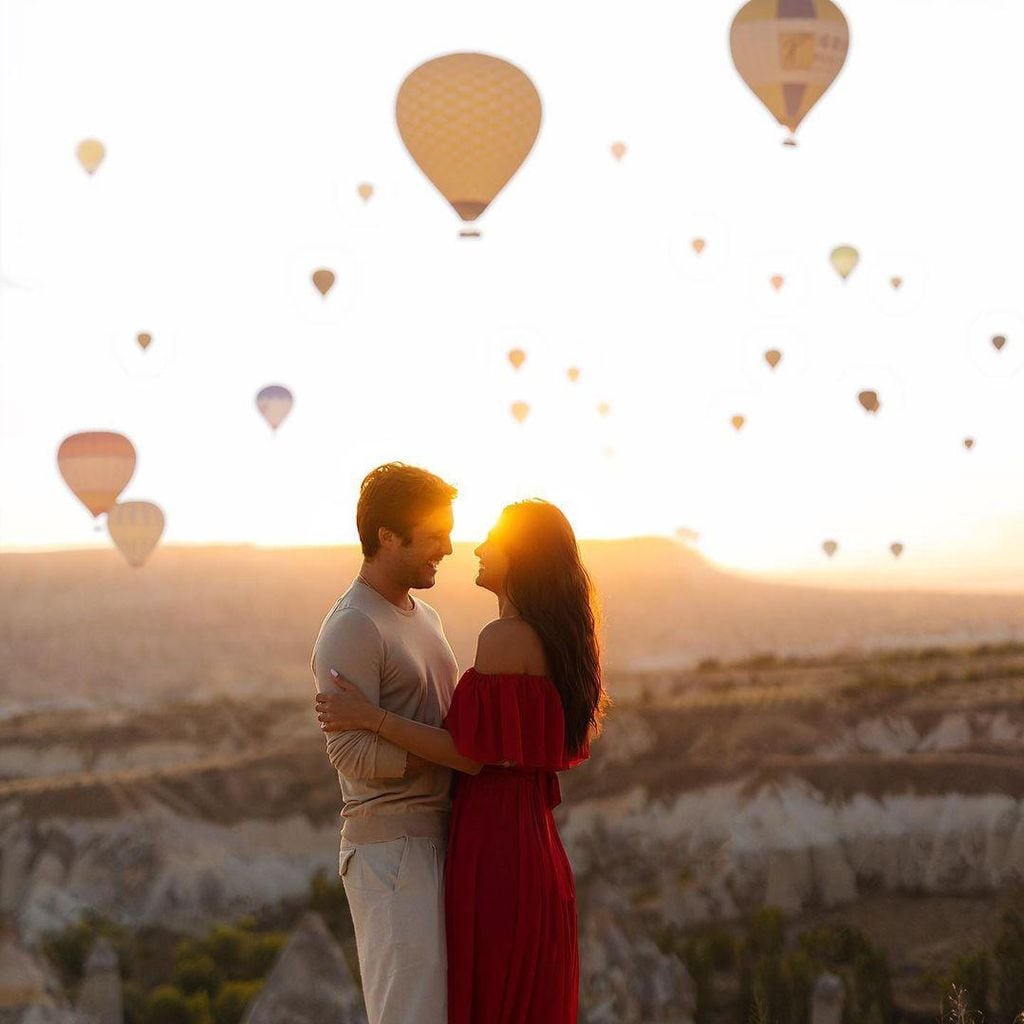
(349, 709)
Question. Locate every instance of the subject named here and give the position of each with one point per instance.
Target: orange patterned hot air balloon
(365, 191)
(469, 120)
(517, 357)
(699, 245)
(777, 281)
(998, 342)
(573, 373)
(896, 548)
(603, 408)
(135, 527)
(97, 467)
(830, 547)
(323, 280)
(869, 399)
(618, 150)
(773, 357)
(737, 422)
(789, 52)
(520, 410)
(968, 443)
(144, 340)
(90, 153)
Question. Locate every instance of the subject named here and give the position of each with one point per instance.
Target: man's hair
(397, 497)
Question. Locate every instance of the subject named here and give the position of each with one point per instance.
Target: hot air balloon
(897, 282)
(517, 357)
(777, 281)
(90, 153)
(686, 535)
(999, 341)
(830, 547)
(968, 443)
(520, 410)
(365, 191)
(143, 340)
(135, 527)
(737, 422)
(869, 399)
(573, 373)
(323, 280)
(896, 548)
(844, 258)
(618, 150)
(699, 245)
(773, 357)
(274, 403)
(97, 467)
(468, 120)
(789, 52)
(603, 408)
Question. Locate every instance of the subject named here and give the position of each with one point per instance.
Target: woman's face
(493, 564)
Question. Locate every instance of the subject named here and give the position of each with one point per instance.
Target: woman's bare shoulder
(510, 646)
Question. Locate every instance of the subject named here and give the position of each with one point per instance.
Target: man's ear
(387, 538)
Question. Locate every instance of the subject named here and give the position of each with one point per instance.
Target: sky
(236, 137)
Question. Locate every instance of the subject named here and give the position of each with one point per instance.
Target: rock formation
(99, 998)
(310, 982)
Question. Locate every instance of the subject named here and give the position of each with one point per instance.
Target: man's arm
(351, 643)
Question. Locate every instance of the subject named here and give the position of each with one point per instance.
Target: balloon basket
(469, 233)
(790, 140)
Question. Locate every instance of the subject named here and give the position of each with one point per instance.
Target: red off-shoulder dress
(510, 899)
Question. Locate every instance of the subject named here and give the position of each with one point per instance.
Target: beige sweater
(402, 661)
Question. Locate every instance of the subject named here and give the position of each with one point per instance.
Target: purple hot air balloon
(274, 403)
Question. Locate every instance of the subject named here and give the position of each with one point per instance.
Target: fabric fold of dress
(510, 899)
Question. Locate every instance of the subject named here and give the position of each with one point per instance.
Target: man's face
(414, 564)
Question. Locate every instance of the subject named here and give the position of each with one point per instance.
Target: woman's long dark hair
(552, 591)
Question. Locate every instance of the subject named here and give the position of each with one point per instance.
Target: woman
(526, 710)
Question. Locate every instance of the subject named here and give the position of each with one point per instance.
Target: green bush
(167, 1005)
(232, 1000)
(197, 972)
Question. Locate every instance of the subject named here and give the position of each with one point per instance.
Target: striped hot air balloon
(789, 52)
(97, 466)
(135, 527)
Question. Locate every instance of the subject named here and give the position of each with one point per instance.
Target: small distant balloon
(687, 536)
(90, 153)
(869, 399)
(844, 259)
(968, 443)
(830, 547)
(135, 527)
(999, 341)
(573, 373)
(773, 357)
(517, 357)
(144, 340)
(699, 245)
(274, 403)
(323, 280)
(896, 281)
(737, 422)
(520, 410)
(603, 408)
(97, 466)
(618, 150)
(777, 281)
(365, 191)
(896, 548)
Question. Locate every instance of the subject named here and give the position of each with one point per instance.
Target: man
(395, 805)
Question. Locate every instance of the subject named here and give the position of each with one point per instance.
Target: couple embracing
(461, 894)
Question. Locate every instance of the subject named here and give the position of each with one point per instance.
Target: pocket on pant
(344, 856)
(376, 867)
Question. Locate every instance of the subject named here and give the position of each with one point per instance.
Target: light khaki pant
(395, 892)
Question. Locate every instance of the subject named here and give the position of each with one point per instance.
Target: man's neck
(395, 593)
